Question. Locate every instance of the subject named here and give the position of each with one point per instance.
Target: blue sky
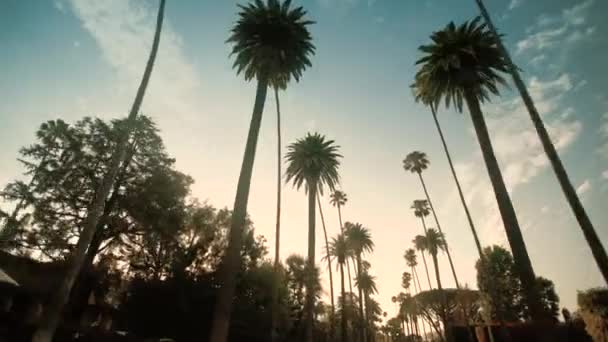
(71, 58)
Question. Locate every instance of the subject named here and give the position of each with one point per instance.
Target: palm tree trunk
(343, 335)
(232, 259)
(310, 291)
(462, 200)
(350, 282)
(447, 248)
(522, 261)
(277, 235)
(428, 278)
(331, 278)
(461, 195)
(448, 336)
(49, 323)
(417, 279)
(598, 250)
(362, 331)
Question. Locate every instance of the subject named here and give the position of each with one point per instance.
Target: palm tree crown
(416, 162)
(358, 238)
(313, 160)
(272, 41)
(410, 257)
(420, 243)
(367, 283)
(338, 198)
(339, 250)
(434, 241)
(421, 208)
(406, 279)
(460, 59)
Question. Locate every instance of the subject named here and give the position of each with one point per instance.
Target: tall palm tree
(416, 162)
(464, 64)
(367, 283)
(272, 44)
(424, 98)
(312, 161)
(277, 234)
(49, 323)
(434, 242)
(412, 262)
(340, 251)
(420, 245)
(331, 278)
(598, 250)
(338, 199)
(360, 241)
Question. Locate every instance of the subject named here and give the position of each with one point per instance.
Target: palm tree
(360, 241)
(367, 283)
(420, 245)
(312, 161)
(420, 96)
(412, 262)
(338, 199)
(331, 278)
(49, 323)
(277, 234)
(340, 251)
(434, 242)
(598, 250)
(464, 65)
(416, 162)
(272, 44)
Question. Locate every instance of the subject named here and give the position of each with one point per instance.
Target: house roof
(6, 279)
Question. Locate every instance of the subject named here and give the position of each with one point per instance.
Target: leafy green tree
(464, 64)
(593, 240)
(69, 163)
(360, 241)
(272, 44)
(498, 279)
(50, 321)
(340, 252)
(502, 287)
(312, 161)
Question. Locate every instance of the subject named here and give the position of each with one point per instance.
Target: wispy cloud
(584, 187)
(518, 148)
(605, 174)
(514, 4)
(123, 30)
(603, 131)
(551, 31)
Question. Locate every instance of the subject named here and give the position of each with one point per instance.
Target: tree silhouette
(312, 161)
(470, 74)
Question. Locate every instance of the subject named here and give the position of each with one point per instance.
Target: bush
(594, 311)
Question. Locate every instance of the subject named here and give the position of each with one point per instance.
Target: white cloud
(76, 43)
(537, 60)
(544, 209)
(605, 174)
(59, 6)
(514, 4)
(552, 31)
(518, 148)
(584, 187)
(123, 30)
(379, 19)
